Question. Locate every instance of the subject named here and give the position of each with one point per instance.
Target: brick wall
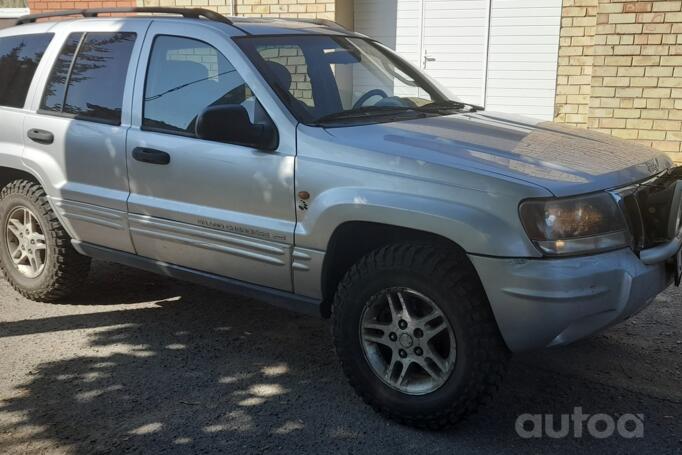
(633, 89)
(320, 9)
(574, 73)
(40, 6)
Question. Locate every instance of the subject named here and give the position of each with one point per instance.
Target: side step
(275, 297)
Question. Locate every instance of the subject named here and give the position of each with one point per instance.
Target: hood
(561, 159)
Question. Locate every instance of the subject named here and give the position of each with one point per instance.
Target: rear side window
(19, 58)
(53, 97)
(89, 76)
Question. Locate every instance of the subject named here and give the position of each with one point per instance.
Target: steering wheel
(368, 95)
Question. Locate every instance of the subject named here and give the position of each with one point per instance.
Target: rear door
(215, 207)
(20, 56)
(76, 133)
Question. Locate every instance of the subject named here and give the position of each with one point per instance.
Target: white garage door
(454, 37)
(522, 56)
(498, 53)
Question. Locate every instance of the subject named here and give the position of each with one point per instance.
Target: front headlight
(574, 225)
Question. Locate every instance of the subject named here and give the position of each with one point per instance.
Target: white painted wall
(454, 35)
(13, 13)
(522, 56)
(397, 24)
(499, 53)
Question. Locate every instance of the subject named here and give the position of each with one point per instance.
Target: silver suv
(301, 163)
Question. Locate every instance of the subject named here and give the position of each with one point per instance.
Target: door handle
(151, 156)
(40, 136)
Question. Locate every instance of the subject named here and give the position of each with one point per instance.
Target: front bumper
(548, 302)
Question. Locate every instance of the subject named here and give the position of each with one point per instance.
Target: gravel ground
(141, 363)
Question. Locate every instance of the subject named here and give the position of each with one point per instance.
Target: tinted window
(96, 78)
(53, 97)
(19, 58)
(185, 77)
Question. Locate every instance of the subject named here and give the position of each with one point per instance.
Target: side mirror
(230, 123)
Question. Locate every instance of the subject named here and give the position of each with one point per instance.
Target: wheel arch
(10, 174)
(342, 224)
(352, 240)
(476, 224)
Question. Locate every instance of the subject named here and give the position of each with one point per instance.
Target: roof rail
(326, 22)
(192, 13)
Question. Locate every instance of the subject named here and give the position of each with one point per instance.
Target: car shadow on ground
(201, 371)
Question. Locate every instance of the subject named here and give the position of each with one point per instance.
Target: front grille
(648, 206)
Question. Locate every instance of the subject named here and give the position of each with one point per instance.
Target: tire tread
(70, 268)
(453, 269)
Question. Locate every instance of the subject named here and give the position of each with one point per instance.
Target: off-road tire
(64, 270)
(447, 277)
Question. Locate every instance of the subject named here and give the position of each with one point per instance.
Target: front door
(215, 207)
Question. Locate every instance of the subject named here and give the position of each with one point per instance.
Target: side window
(184, 77)
(19, 58)
(55, 89)
(89, 76)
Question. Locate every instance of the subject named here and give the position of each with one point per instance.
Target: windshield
(336, 79)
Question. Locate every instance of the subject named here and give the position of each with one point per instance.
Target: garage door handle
(40, 136)
(428, 58)
(151, 156)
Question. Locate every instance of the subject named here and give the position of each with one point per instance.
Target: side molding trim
(275, 297)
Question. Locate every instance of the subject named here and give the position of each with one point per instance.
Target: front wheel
(416, 336)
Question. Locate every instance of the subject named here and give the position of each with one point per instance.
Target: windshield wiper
(449, 105)
(364, 112)
(373, 111)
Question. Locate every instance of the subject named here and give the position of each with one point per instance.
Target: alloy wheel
(25, 242)
(407, 341)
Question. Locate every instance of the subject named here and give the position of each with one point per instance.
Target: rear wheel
(416, 336)
(36, 255)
